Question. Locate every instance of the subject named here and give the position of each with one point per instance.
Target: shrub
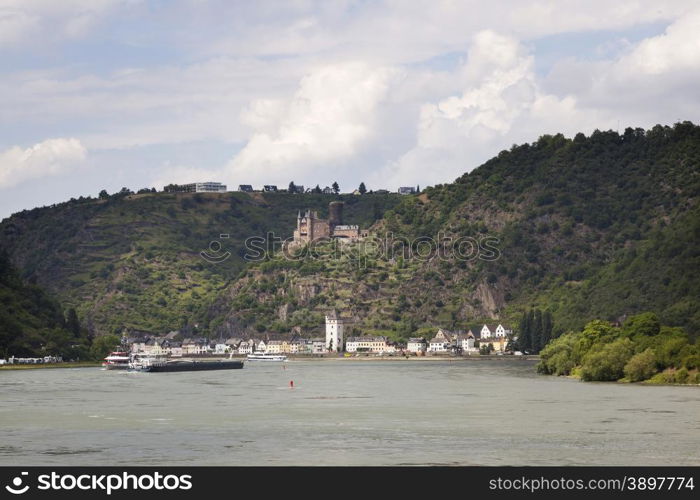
(607, 363)
(641, 366)
(681, 376)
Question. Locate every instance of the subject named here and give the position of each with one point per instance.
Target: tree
(103, 346)
(362, 189)
(524, 340)
(292, 187)
(336, 188)
(641, 366)
(72, 322)
(103, 194)
(317, 189)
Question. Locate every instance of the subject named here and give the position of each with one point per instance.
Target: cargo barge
(181, 365)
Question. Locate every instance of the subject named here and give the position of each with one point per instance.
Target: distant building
(334, 332)
(246, 188)
(416, 344)
(196, 187)
(270, 188)
(327, 190)
(298, 189)
(311, 228)
(493, 330)
(443, 341)
(407, 190)
(368, 344)
(318, 346)
(381, 191)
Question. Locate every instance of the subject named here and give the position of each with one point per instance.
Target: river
(341, 412)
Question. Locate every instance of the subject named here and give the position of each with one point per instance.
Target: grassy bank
(77, 364)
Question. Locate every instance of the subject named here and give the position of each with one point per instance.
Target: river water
(343, 413)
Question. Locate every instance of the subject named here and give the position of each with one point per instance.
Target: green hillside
(133, 261)
(591, 227)
(598, 227)
(31, 322)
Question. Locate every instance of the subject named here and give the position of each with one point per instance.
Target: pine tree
(537, 331)
(292, 187)
(336, 188)
(524, 336)
(547, 325)
(362, 189)
(72, 322)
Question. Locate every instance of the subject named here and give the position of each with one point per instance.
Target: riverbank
(411, 358)
(77, 364)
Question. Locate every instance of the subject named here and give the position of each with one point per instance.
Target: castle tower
(334, 332)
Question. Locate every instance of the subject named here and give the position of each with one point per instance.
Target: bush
(607, 363)
(641, 366)
(681, 376)
(557, 356)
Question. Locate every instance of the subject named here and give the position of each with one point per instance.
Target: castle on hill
(311, 228)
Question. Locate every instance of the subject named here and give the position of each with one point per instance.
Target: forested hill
(596, 227)
(133, 260)
(589, 227)
(31, 322)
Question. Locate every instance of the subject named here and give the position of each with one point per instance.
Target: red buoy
(291, 384)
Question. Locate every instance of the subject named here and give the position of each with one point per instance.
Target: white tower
(334, 332)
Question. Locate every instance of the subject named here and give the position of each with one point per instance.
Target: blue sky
(100, 94)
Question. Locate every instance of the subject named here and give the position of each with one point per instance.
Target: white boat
(117, 360)
(265, 356)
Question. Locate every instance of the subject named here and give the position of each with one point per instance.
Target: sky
(105, 94)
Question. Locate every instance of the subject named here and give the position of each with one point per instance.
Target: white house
(366, 344)
(221, 348)
(318, 346)
(441, 342)
(246, 347)
(467, 342)
(493, 330)
(261, 346)
(416, 344)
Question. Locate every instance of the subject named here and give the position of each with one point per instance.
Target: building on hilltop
(311, 228)
(196, 187)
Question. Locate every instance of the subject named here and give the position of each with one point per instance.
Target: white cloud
(48, 158)
(329, 119)
(22, 21)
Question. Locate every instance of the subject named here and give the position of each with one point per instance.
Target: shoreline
(51, 366)
(290, 357)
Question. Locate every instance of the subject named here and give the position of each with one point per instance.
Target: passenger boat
(265, 356)
(117, 360)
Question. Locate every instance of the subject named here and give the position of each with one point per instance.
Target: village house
(274, 347)
(246, 347)
(416, 345)
(246, 188)
(495, 330)
(221, 348)
(367, 344)
(261, 346)
(318, 346)
(466, 343)
(442, 341)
